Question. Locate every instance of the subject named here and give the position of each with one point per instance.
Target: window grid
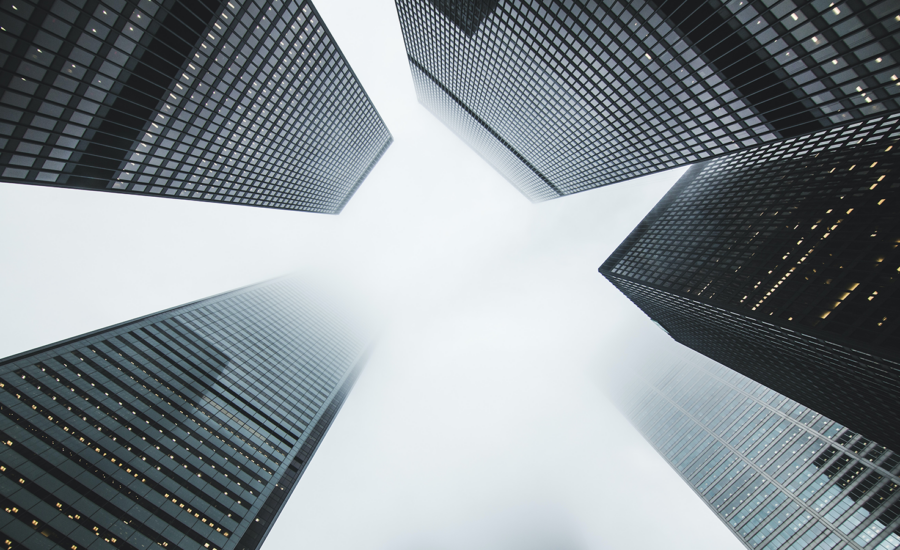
(780, 262)
(787, 484)
(166, 430)
(244, 102)
(591, 93)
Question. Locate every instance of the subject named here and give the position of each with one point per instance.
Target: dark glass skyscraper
(564, 96)
(188, 428)
(239, 101)
(779, 475)
(782, 263)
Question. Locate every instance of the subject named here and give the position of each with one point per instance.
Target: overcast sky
(480, 421)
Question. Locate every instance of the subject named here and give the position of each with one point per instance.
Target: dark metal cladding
(562, 96)
(177, 31)
(466, 14)
(782, 263)
(751, 70)
(188, 428)
(236, 101)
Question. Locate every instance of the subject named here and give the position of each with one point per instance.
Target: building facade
(188, 428)
(564, 96)
(781, 262)
(779, 475)
(239, 101)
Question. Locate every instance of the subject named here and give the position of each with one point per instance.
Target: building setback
(781, 262)
(564, 96)
(778, 474)
(238, 101)
(188, 428)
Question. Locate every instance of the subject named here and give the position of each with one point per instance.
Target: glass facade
(243, 101)
(781, 262)
(188, 428)
(565, 96)
(778, 474)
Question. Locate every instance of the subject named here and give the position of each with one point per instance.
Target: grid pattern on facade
(174, 430)
(803, 231)
(244, 102)
(857, 389)
(482, 138)
(591, 93)
(779, 475)
(268, 513)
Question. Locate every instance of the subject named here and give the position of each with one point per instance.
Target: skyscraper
(243, 101)
(188, 428)
(565, 96)
(778, 474)
(781, 262)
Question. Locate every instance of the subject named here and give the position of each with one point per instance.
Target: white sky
(480, 421)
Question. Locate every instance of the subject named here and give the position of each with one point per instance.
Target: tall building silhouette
(188, 428)
(778, 474)
(565, 96)
(236, 101)
(781, 262)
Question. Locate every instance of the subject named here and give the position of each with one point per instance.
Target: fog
(480, 421)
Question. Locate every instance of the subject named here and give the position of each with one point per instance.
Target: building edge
(364, 175)
(68, 341)
(309, 447)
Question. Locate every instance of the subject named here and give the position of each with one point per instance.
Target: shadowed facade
(240, 102)
(781, 262)
(188, 428)
(565, 96)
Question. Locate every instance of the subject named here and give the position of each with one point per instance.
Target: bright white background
(480, 421)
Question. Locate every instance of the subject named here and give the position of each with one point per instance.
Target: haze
(480, 421)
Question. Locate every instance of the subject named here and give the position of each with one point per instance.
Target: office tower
(243, 101)
(565, 96)
(781, 262)
(778, 474)
(188, 428)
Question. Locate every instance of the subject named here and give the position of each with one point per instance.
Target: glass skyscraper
(564, 96)
(778, 474)
(243, 101)
(781, 262)
(188, 428)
